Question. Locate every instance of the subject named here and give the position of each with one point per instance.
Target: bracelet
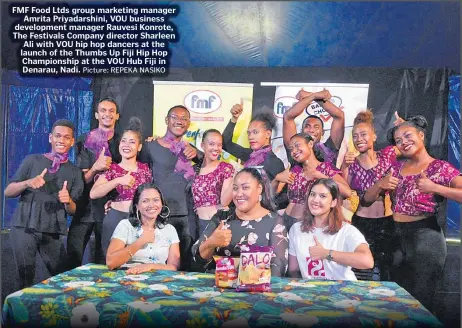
(129, 252)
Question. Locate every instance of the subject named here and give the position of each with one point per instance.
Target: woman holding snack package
(323, 245)
(252, 223)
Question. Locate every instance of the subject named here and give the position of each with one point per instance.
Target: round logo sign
(202, 101)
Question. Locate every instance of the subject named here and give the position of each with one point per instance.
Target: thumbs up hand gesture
(222, 235)
(189, 151)
(103, 162)
(127, 180)
(38, 181)
(389, 182)
(318, 252)
(349, 157)
(63, 194)
(286, 176)
(398, 120)
(425, 185)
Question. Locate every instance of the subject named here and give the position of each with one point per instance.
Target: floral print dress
(268, 230)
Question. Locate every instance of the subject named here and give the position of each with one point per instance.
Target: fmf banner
(209, 104)
(351, 98)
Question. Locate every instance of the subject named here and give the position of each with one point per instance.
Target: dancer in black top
(94, 151)
(170, 160)
(260, 152)
(49, 187)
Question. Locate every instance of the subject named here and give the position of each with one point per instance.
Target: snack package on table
(226, 271)
(255, 269)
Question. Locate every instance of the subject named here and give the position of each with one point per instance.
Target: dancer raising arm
(260, 152)
(314, 126)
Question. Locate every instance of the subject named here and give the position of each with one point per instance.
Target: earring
(138, 215)
(259, 198)
(164, 208)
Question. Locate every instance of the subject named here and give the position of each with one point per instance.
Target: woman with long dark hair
(252, 222)
(124, 177)
(305, 174)
(362, 172)
(212, 184)
(324, 245)
(417, 185)
(145, 237)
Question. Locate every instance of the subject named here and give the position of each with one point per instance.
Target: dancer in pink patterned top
(124, 177)
(417, 184)
(212, 186)
(361, 172)
(309, 170)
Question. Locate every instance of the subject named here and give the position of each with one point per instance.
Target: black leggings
(110, 222)
(180, 223)
(77, 240)
(379, 235)
(418, 262)
(26, 243)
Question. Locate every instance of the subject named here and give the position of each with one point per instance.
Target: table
(91, 294)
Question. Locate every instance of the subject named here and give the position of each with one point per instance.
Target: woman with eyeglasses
(212, 184)
(124, 177)
(417, 185)
(252, 222)
(145, 240)
(260, 152)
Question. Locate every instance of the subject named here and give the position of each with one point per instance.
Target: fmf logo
(282, 104)
(315, 109)
(202, 101)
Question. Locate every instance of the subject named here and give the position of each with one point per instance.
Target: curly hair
(419, 122)
(366, 117)
(134, 125)
(268, 120)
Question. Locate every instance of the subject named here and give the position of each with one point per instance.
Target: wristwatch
(329, 256)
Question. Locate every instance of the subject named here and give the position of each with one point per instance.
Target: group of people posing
(160, 203)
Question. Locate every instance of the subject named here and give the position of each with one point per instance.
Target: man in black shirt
(169, 158)
(94, 152)
(49, 186)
